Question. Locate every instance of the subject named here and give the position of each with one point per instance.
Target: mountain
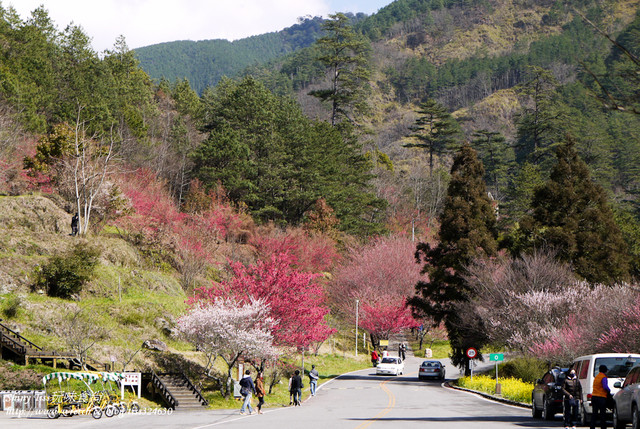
(204, 63)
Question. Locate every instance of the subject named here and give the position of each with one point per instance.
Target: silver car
(431, 369)
(627, 401)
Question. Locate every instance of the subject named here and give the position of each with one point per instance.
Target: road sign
(472, 353)
(496, 357)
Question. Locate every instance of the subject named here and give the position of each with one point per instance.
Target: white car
(390, 366)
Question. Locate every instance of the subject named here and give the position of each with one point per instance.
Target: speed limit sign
(472, 353)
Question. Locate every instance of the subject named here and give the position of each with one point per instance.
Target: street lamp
(357, 302)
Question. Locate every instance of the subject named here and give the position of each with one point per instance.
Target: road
(354, 401)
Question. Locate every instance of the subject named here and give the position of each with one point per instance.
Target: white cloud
(146, 22)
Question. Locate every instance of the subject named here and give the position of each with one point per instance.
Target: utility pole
(357, 303)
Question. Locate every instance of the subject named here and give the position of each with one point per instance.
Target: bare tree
(90, 162)
(79, 332)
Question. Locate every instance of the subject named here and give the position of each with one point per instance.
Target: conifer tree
(571, 214)
(345, 54)
(435, 130)
(467, 231)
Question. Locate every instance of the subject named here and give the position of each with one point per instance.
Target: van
(586, 367)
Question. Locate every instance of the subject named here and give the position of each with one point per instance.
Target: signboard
(496, 357)
(384, 343)
(133, 379)
(472, 353)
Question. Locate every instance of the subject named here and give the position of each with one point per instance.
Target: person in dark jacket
(74, 224)
(572, 392)
(246, 389)
(296, 387)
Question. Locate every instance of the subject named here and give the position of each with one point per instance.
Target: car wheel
(617, 424)
(583, 417)
(635, 422)
(546, 411)
(535, 412)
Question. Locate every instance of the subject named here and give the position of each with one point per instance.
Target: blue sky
(146, 22)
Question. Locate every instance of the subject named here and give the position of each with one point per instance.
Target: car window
(389, 360)
(617, 367)
(632, 377)
(584, 370)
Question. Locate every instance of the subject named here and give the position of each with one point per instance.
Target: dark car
(546, 398)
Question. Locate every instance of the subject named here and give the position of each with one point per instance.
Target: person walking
(313, 380)
(374, 358)
(599, 398)
(247, 388)
(572, 390)
(259, 383)
(296, 387)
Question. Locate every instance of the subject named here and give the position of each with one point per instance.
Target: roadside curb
(488, 396)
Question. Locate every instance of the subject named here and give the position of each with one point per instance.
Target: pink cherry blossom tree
(381, 275)
(230, 329)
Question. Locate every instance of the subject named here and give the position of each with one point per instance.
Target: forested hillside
(496, 141)
(203, 63)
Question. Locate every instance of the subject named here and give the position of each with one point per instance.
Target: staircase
(186, 396)
(23, 350)
(17, 344)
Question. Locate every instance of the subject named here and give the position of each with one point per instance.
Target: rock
(156, 345)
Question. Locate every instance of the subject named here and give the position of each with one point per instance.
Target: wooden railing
(194, 389)
(171, 401)
(17, 340)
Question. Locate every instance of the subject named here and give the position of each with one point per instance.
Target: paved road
(355, 401)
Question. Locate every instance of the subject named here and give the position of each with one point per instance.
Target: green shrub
(65, 275)
(11, 306)
(527, 369)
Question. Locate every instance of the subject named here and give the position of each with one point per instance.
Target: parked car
(431, 369)
(390, 366)
(546, 397)
(618, 365)
(627, 401)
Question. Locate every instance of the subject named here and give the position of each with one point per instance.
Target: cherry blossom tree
(295, 298)
(229, 329)
(381, 275)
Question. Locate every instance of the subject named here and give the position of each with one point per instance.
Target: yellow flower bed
(512, 388)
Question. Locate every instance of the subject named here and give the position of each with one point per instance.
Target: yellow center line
(390, 405)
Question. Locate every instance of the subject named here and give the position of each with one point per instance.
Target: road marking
(390, 405)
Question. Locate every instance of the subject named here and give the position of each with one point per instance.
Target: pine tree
(345, 54)
(571, 214)
(467, 231)
(435, 130)
(496, 155)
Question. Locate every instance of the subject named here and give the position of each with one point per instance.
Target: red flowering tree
(382, 276)
(295, 298)
(311, 252)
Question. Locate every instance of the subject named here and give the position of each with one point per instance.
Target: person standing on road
(296, 387)
(599, 398)
(260, 391)
(313, 380)
(572, 390)
(385, 353)
(246, 389)
(374, 358)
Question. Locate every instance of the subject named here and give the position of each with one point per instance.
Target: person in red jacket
(599, 398)
(374, 358)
